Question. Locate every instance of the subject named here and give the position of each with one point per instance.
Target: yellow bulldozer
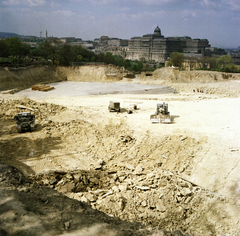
(162, 115)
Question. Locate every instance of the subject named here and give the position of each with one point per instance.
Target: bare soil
(88, 171)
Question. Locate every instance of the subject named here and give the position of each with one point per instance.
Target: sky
(215, 20)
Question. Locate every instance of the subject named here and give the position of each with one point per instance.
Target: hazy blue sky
(216, 20)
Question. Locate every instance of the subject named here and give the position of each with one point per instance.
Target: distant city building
(155, 47)
(70, 39)
(111, 42)
(117, 42)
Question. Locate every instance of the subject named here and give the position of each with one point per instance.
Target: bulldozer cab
(162, 108)
(114, 106)
(25, 121)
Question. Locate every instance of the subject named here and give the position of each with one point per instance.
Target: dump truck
(25, 121)
(114, 106)
(162, 115)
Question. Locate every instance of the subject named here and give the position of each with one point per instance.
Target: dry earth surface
(86, 171)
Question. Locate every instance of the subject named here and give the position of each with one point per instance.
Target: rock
(130, 167)
(67, 225)
(123, 187)
(121, 204)
(185, 191)
(143, 188)
(84, 199)
(67, 187)
(107, 194)
(43, 198)
(138, 169)
(100, 162)
(115, 189)
(98, 167)
(160, 206)
(122, 178)
(94, 180)
(100, 192)
(79, 187)
(53, 181)
(91, 197)
(77, 177)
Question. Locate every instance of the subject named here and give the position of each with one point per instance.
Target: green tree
(100, 57)
(16, 49)
(14, 46)
(25, 49)
(220, 51)
(176, 59)
(225, 63)
(3, 48)
(64, 55)
(108, 58)
(47, 51)
(127, 64)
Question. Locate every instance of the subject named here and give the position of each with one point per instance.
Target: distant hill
(8, 35)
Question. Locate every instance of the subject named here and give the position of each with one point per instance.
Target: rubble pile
(30, 209)
(157, 198)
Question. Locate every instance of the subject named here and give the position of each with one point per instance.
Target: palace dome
(157, 31)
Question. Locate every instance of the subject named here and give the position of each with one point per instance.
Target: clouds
(89, 19)
(232, 5)
(31, 3)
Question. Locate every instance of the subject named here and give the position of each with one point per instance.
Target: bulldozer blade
(166, 119)
(160, 119)
(155, 118)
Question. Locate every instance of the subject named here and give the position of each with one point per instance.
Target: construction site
(108, 154)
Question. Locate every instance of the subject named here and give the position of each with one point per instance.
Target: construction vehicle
(114, 106)
(130, 106)
(25, 121)
(162, 115)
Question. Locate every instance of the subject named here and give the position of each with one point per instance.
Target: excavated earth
(86, 171)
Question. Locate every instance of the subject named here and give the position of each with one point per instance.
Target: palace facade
(155, 47)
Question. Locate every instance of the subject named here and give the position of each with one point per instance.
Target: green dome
(157, 30)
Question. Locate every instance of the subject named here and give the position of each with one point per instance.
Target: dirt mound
(198, 82)
(103, 73)
(174, 75)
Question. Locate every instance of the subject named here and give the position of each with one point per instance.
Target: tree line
(222, 63)
(55, 53)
